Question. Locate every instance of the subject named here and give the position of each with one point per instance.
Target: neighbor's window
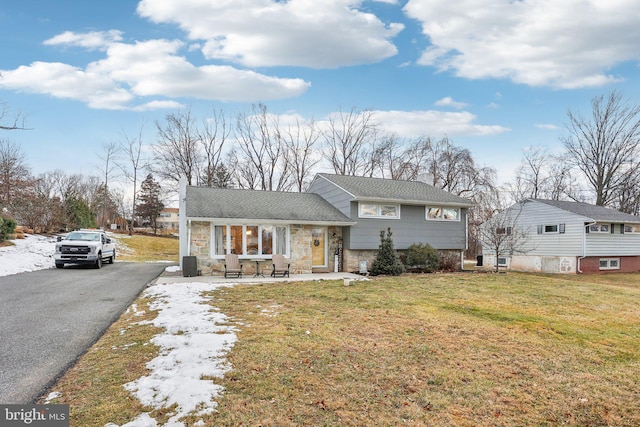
(599, 228)
(249, 240)
(443, 214)
(504, 230)
(609, 263)
(378, 210)
(502, 261)
(631, 228)
(552, 229)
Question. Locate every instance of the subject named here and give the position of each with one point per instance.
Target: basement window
(609, 263)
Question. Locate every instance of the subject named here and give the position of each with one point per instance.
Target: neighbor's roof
(593, 212)
(304, 208)
(363, 188)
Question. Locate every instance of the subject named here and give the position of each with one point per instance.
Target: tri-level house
(568, 237)
(334, 226)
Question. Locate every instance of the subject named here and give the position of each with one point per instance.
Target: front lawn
(466, 349)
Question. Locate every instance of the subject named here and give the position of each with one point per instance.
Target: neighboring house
(334, 226)
(569, 237)
(168, 220)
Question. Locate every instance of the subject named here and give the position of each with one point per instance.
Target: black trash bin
(189, 266)
(479, 258)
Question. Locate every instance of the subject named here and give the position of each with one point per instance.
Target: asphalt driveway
(48, 318)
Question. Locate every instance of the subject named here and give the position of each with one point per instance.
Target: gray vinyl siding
(568, 243)
(412, 227)
(333, 194)
(574, 240)
(616, 244)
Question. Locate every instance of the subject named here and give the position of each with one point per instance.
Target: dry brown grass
(434, 350)
(142, 248)
(93, 388)
(442, 350)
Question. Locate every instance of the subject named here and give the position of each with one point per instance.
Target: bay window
(249, 241)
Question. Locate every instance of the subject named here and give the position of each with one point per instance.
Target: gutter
(584, 244)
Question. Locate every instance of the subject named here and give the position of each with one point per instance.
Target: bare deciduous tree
(212, 136)
(132, 165)
(8, 123)
(351, 139)
(261, 157)
(108, 157)
(502, 236)
(301, 139)
(606, 145)
(177, 151)
(14, 172)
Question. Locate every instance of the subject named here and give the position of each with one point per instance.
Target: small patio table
(258, 272)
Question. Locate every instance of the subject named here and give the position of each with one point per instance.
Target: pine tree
(78, 213)
(149, 205)
(387, 260)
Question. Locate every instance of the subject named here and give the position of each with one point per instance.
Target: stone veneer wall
(300, 249)
(351, 259)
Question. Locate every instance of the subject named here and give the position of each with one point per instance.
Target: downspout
(188, 237)
(466, 239)
(584, 244)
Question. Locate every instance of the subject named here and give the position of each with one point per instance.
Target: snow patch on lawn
(34, 252)
(193, 346)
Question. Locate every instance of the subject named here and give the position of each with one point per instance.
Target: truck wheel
(59, 265)
(112, 258)
(98, 263)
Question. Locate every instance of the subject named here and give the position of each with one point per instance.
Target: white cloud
(412, 124)
(449, 102)
(560, 44)
(159, 105)
(67, 82)
(151, 68)
(310, 33)
(91, 40)
(546, 126)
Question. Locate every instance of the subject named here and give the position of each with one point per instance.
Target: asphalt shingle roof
(207, 202)
(363, 188)
(596, 213)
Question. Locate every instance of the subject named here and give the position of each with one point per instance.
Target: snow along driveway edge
(193, 346)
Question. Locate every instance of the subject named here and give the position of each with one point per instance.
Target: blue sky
(495, 76)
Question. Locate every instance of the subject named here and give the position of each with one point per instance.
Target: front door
(319, 247)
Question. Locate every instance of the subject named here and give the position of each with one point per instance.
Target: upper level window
(599, 228)
(551, 229)
(631, 228)
(378, 210)
(443, 214)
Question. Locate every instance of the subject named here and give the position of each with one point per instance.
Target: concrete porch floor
(267, 279)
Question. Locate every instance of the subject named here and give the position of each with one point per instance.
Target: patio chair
(280, 267)
(232, 265)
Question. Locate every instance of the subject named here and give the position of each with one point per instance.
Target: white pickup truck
(85, 247)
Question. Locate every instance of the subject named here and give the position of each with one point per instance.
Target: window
(442, 214)
(631, 228)
(377, 210)
(609, 263)
(249, 240)
(599, 228)
(552, 229)
(502, 261)
(504, 230)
